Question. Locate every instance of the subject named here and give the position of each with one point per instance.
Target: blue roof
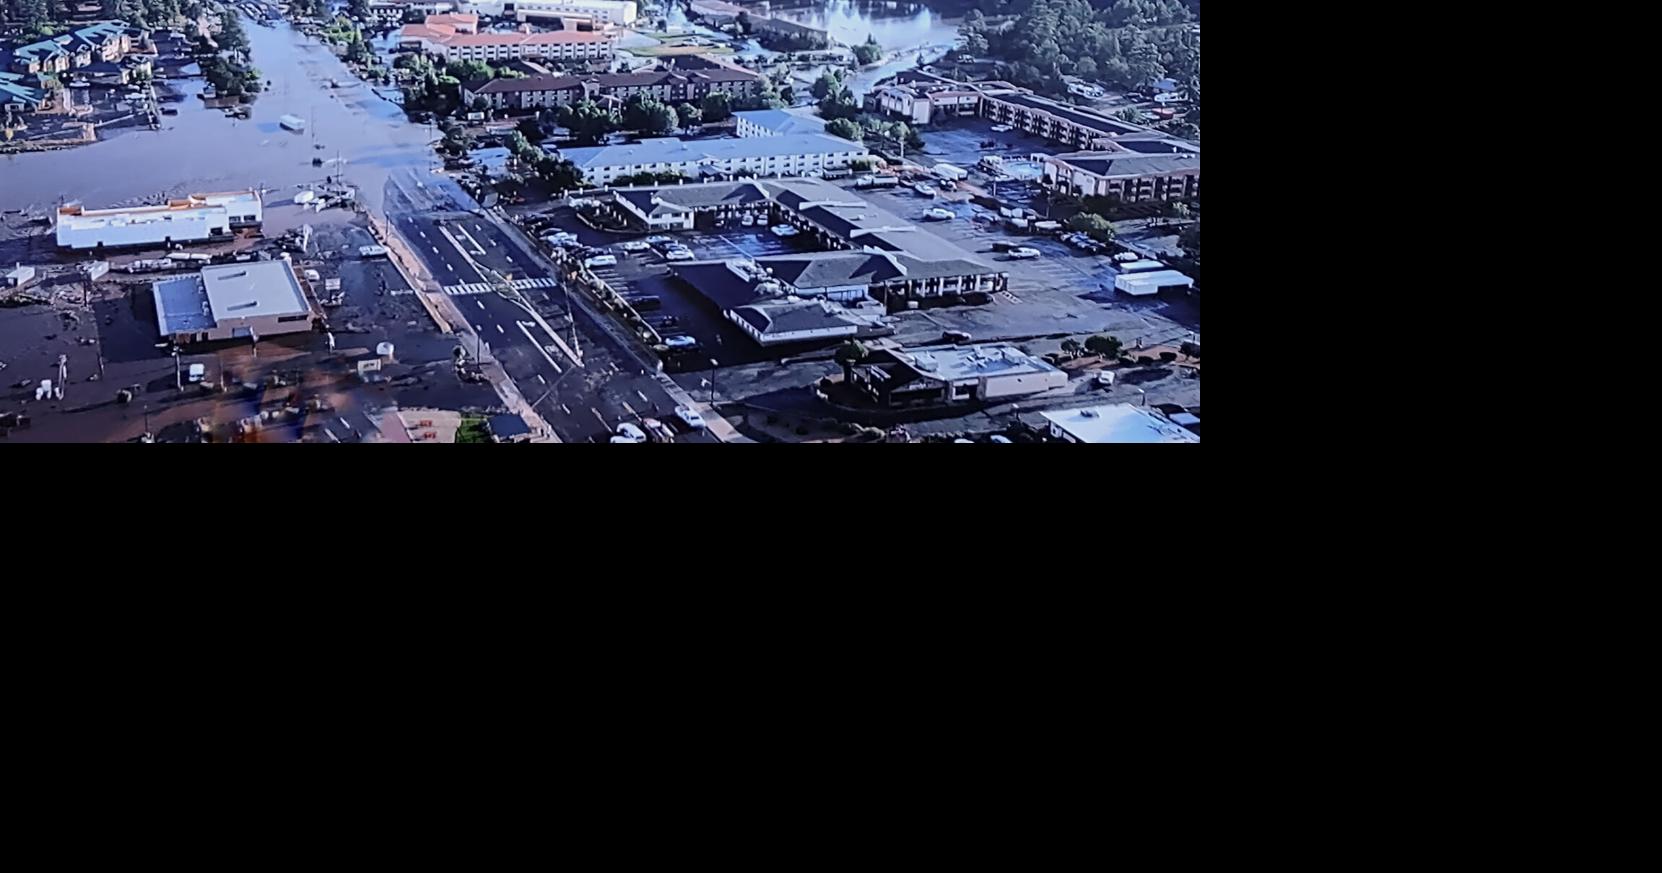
(671, 150)
(13, 89)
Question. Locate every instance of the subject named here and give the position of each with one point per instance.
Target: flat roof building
(953, 374)
(197, 218)
(620, 12)
(1115, 423)
(235, 301)
(787, 155)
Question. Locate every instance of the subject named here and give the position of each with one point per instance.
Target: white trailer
(1147, 284)
(950, 173)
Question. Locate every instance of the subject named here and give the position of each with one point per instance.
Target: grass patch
(473, 430)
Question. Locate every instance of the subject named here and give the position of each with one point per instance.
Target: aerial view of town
(600, 221)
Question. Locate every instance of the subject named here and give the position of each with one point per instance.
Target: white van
(601, 261)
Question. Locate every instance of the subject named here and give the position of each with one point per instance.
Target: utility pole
(712, 384)
(178, 381)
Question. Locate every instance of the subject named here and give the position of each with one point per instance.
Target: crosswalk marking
(472, 288)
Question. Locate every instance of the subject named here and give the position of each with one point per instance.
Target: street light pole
(712, 384)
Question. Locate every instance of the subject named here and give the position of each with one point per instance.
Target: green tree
(743, 22)
(1103, 345)
(689, 114)
(660, 120)
(849, 354)
(531, 130)
(717, 107)
(827, 84)
(560, 175)
(468, 71)
(589, 122)
(1090, 223)
(358, 9)
(480, 104)
(868, 52)
(1071, 347)
(844, 128)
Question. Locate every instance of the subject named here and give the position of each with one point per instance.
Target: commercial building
(1115, 423)
(770, 311)
(1126, 175)
(679, 85)
(251, 301)
(197, 218)
(896, 260)
(787, 155)
(453, 44)
(776, 122)
(954, 374)
(84, 46)
(619, 12)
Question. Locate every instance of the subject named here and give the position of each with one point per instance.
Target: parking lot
(1061, 291)
(959, 142)
(681, 310)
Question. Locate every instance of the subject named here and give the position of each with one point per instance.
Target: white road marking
(448, 264)
(500, 330)
(435, 250)
(481, 303)
(546, 356)
(600, 418)
(642, 395)
(628, 408)
(423, 233)
(541, 380)
(566, 409)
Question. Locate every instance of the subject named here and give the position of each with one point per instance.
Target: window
(293, 318)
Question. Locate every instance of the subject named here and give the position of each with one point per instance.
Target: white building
(1115, 423)
(251, 301)
(953, 374)
(776, 122)
(197, 218)
(618, 12)
(805, 154)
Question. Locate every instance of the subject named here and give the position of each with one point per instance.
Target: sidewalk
(719, 427)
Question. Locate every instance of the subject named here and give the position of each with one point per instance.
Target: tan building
(250, 301)
(1124, 175)
(455, 44)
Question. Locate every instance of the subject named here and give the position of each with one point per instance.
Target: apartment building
(106, 41)
(617, 12)
(776, 122)
(454, 44)
(791, 155)
(1125, 175)
(668, 86)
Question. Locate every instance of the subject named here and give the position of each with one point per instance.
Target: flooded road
(201, 150)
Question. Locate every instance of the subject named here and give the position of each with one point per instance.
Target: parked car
(663, 322)
(1002, 128)
(1022, 253)
(938, 214)
(630, 432)
(563, 238)
(601, 261)
(924, 189)
(647, 303)
(678, 255)
(955, 336)
(636, 245)
(680, 341)
(783, 230)
(658, 240)
(690, 417)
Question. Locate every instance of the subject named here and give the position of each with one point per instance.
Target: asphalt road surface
(582, 403)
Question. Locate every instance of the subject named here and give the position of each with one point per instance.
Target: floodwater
(904, 30)
(201, 150)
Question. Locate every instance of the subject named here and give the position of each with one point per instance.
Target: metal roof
(1118, 423)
